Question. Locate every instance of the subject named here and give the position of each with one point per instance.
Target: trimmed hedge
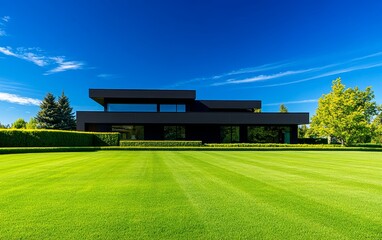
(55, 138)
(155, 143)
(270, 145)
(368, 145)
(14, 150)
(105, 139)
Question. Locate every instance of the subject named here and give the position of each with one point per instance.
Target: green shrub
(105, 139)
(270, 145)
(155, 143)
(55, 138)
(368, 145)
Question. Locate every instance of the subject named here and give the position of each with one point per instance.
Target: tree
(19, 123)
(48, 117)
(303, 131)
(283, 109)
(66, 115)
(345, 114)
(32, 124)
(2, 126)
(377, 129)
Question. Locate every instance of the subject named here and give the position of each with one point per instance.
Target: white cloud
(292, 102)
(13, 98)
(2, 33)
(263, 77)
(64, 66)
(6, 18)
(21, 53)
(33, 55)
(107, 76)
(331, 73)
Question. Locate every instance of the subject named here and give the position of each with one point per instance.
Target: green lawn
(188, 195)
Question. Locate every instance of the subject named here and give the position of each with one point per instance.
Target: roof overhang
(103, 96)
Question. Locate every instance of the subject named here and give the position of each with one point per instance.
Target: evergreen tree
(49, 116)
(67, 120)
(283, 109)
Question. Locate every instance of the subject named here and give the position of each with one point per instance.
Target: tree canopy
(19, 124)
(66, 113)
(283, 109)
(345, 114)
(55, 114)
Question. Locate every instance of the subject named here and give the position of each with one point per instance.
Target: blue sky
(275, 51)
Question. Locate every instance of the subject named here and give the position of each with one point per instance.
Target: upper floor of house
(123, 100)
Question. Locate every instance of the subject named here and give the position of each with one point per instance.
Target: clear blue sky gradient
(275, 51)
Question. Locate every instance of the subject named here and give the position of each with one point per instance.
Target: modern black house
(177, 115)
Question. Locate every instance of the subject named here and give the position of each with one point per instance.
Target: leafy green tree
(32, 124)
(283, 109)
(345, 114)
(303, 131)
(19, 124)
(66, 115)
(49, 116)
(377, 129)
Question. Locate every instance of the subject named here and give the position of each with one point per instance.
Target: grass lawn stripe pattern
(191, 195)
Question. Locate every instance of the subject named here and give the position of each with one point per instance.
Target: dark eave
(231, 104)
(228, 118)
(122, 95)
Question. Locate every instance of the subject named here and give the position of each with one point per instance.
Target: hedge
(271, 145)
(55, 138)
(154, 143)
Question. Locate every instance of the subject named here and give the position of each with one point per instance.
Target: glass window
(130, 132)
(172, 108)
(174, 132)
(269, 134)
(131, 107)
(229, 134)
(181, 107)
(167, 108)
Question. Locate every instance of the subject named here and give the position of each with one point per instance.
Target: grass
(188, 195)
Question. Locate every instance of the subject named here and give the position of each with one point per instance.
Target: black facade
(177, 115)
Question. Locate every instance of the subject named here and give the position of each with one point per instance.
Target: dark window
(172, 107)
(269, 134)
(174, 132)
(230, 134)
(131, 107)
(130, 132)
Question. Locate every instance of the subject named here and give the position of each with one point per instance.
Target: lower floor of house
(206, 133)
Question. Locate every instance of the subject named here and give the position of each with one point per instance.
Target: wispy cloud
(292, 102)
(13, 98)
(35, 56)
(3, 21)
(267, 72)
(64, 65)
(262, 77)
(5, 18)
(107, 76)
(242, 71)
(327, 74)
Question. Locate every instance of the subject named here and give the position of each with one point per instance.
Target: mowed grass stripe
(332, 209)
(266, 200)
(183, 195)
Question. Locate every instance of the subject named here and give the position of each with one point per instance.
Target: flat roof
(231, 104)
(99, 95)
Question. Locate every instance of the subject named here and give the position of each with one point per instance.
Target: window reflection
(131, 107)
